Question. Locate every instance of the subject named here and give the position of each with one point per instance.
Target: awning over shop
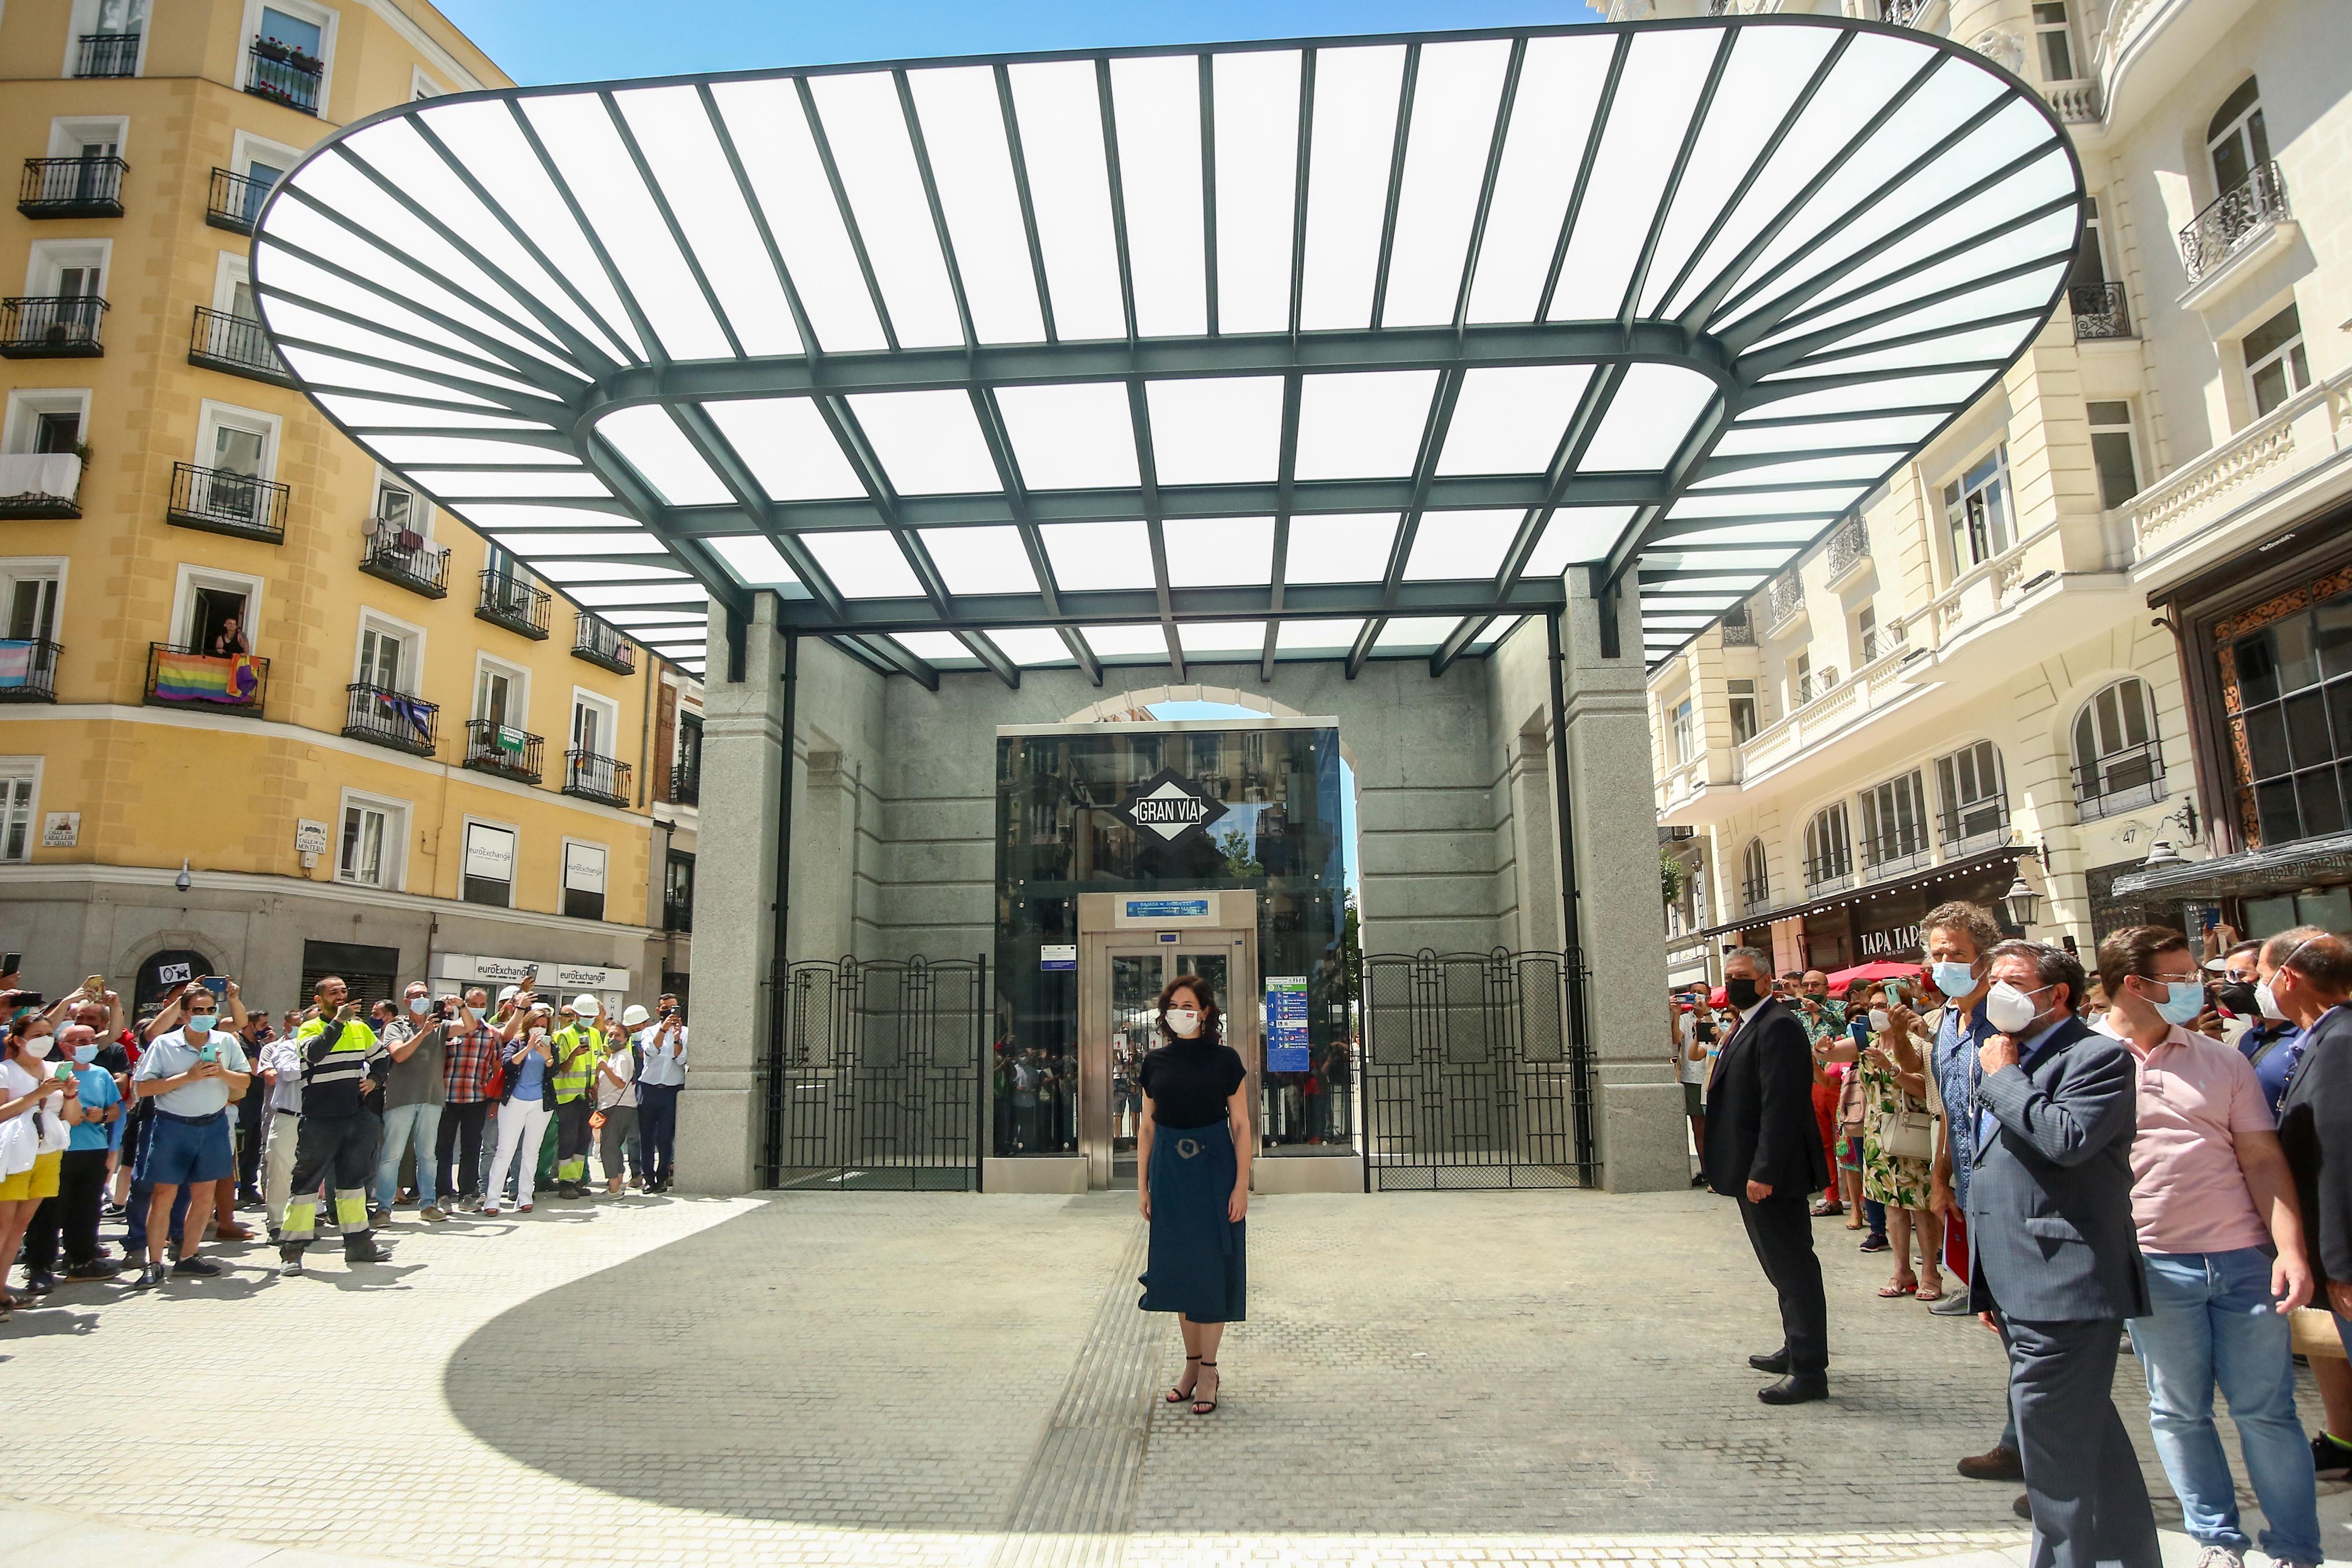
(1339, 349)
(2255, 872)
(1969, 866)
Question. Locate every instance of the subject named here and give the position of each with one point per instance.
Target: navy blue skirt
(1199, 1262)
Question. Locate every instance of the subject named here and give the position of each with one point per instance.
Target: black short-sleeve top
(1189, 1081)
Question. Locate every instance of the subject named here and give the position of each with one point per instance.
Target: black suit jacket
(2314, 1125)
(1761, 1125)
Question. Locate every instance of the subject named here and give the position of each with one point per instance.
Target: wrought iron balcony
(1829, 875)
(191, 678)
(35, 485)
(1848, 545)
(236, 201)
(2101, 311)
(1755, 897)
(507, 601)
(678, 912)
(29, 669)
(2121, 781)
(389, 717)
(1902, 13)
(283, 74)
(601, 644)
(108, 54)
(52, 326)
(593, 777)
(1784, 600)
(218, 501)
(72, 187)
(1895, 854)
(685, 782)
(1979, 825)
(232, 343)
(1738, 629)
(493, 748)
(399, 556)
(2234, 217)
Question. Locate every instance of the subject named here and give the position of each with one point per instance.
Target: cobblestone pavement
(1526, 1377)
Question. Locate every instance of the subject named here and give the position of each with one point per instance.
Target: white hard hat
(510, 992)
(634, 1015)
(586, 1005)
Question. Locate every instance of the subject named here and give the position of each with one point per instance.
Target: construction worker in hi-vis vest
(335, 1139)
(576, 1049)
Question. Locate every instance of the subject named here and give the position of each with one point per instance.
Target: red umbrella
(1880, 969)
(1715, 998)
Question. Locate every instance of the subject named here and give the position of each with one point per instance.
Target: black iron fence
(236, 201)
(509, 601)
(390, 718)
(29, 669)
(685, 780)
(874, 1074)
(194, 677)
(72, 187)
(108, 54)
(397, 555)
(221, 341)
(49, 326)
(220, 501)
(2100, 310)
(1471, 1076)
(2208, 240)
(283, 74)
(601, 643)
(593, 777)
(493, 748)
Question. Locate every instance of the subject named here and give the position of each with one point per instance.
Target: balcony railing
(1902, 13)
(218, 501)
(189, 678)
(493, 748)
(1755, 897)
(283, 74)
(1784, 600)
(399, 556)
(685, 782)
(224, 342)
(510, 601)
(592, 777)
(2214, 235)
(678, 912)
(2100, 311)
(108, 54)
(2120, 781)
(40, 485)
(29, 669)
(236, 201)
(389, 717)
(1848, 545)
(52, 326)
(72, 187)
(1829, 875)
(1979, 824)
(601, 644)
(1738, 629)
(1897, 853)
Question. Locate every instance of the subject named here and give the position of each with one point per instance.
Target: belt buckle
(1186, 1148)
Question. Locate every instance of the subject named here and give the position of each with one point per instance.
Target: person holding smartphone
(341, 1062)
(192, 1072)
(528, 1107)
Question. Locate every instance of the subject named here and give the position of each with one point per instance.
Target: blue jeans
(399, 1122)
(2213, 1322)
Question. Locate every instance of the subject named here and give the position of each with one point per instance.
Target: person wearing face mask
(93, 1117)
(469, 1063)
(33, 1137)
(2305, 977)
(336, 1139)
(1192, 1164)
(2268, 1043)
(1764, 1148)
(2054, 1263)
(414, 1089)
(2221, 1238)
(282, 1072)
(190, 1073)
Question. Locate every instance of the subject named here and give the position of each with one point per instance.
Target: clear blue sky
(591, 40)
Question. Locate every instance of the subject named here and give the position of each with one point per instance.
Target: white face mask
(2267, 1001)
(1879, 1020)
(39, 1046)
(1185, 1022)
(2009, 1009)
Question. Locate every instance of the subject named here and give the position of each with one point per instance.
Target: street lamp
(2022, 901)
(2161, 853)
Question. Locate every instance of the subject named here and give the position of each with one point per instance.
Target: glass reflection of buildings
(1060, 834)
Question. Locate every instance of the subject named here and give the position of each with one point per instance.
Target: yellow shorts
(39, 1182)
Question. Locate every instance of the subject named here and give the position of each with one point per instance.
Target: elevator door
(1118, 997)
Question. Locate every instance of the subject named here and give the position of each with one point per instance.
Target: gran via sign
(1170, 805)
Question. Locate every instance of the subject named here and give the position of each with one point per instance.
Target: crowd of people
(332, 1118)
(2159, 1155)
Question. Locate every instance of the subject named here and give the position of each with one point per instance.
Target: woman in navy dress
(1193, 1151)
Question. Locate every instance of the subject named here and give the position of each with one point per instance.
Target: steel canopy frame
(725, 334)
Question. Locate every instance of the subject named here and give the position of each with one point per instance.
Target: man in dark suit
(2053, 1258)
(2307, 973)
(1764, 1148)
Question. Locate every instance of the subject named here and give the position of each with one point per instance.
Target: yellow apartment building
(232, 644)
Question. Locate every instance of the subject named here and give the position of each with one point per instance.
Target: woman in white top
(33, 1137)
(617, 1100)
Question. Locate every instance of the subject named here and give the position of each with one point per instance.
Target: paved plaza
(949, 1379)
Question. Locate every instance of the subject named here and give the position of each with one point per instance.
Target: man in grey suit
(2054, 1254)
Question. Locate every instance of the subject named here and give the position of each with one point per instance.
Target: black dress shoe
(1797, 1388)
(1776, 1361)
(2024, 1506)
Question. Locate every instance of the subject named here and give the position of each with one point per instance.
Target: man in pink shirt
(2221, 1238)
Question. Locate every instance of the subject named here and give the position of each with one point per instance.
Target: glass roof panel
(1031, 645)
(1954, 348)
(964, 133)
(363, 412)
(1220, 637)
(1362, 425)
(788, 446)
(1069, 188)
(1212, 553)
(1456, 90)
(458, 484)
(866, 130)
(1452, 546)
(1769, 503)
(1341, 547)
(1073, 436)
(1790, 533)
(1348, 181)
(1508, 419)
(1654, 408)
(1208, 431)
(1156, 99)
(333, 369)
(1746, 439)
(641, 593)
(1952, 387)
(661, 453)
(980, 560)
(543, 546)
(757, 562)
(1317, 635)
(406, 449)
(1087, 555)
(929, 442)
(496, 514)
(1577, 534)
(939, 648)
(572, 571)
(1256, 122)
(1656, 95)
(1552, 118)
(772, 136)
(1803, 470)
(674, 132)
(864, 564)
(296, 321)
(1416, 632)
(1126, 642)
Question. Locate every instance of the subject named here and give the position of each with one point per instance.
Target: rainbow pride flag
(201, 677)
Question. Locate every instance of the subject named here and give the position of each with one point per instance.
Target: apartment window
(20, 779)
(104, 38)
(368, 844)
(1755, 878)
(31, 603)
(2111, 451)
(1686, 743)
(1894, 821)
(499, 695)
(399, 509)
(1828, 846)
(1865, 635)
(2091, 254)
(2056, 41)
(594, 723)
(2117, 763)
(1743, 710)
(583, 880)
(489, 865)
(2288, 690)
(678, 892)
(2276, 368)
(59, 432)
(1801, 681)
(1974, 800)
(388, 655)
(2236, 139)
(1975, 508)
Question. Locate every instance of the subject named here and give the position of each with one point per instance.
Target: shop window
(1976, 805)
(2111, 451)
(583, 880)
(1895, 824)
(1829, 848)
(1743, 710)
(1976, 509)
(2330, 908)
(2276, 366)
(368, 972)
(2116, 762)
(2287, 689)
(489, 865)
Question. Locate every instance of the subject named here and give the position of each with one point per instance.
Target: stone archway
(1133, 707)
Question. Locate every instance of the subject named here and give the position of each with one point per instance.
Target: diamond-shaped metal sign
(1170, 805)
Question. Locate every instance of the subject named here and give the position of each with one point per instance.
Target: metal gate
(874, 1074)
(1470, 1076)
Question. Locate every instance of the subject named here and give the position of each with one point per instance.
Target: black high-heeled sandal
(1205, 1407)
(1179, 1396)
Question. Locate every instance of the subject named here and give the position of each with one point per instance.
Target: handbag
(1907, 1134)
